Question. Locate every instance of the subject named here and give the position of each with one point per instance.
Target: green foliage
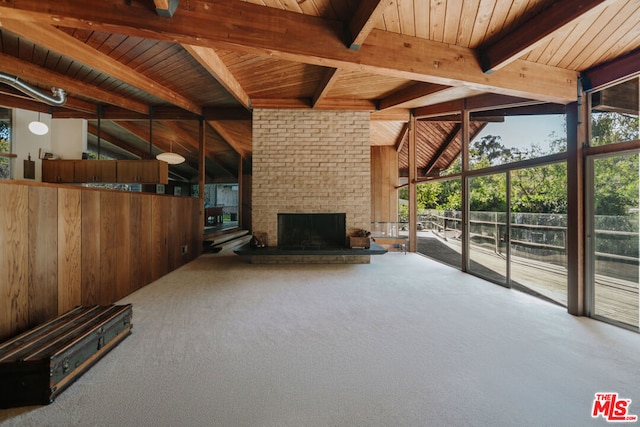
(541, 189)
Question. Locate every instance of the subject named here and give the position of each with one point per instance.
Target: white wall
(66, 138)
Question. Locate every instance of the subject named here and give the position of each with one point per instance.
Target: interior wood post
(201, 173)
(577, 122)
(413, 214)
(464, 156)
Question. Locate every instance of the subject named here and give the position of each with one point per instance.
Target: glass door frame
(593, 154)
(467, 237)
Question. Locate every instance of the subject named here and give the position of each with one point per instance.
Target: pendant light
(171, 157)
(37, 127)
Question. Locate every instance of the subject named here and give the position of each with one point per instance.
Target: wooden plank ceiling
(144, 73)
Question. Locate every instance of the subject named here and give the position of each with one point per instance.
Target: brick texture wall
(310, 162)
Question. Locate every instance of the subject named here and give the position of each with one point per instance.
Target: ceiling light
(37, 127)
(171, 158)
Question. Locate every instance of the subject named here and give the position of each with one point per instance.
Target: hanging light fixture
(37, 127)
(171, 157)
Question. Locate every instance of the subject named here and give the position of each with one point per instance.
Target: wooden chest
(36, 366)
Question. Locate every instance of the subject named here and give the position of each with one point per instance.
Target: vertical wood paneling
(108, 244)
(135, 243)
(123, 234)
(14, 262)
(43, 254)
(384, 178)
(146, 240)
(91, 236)
(64, 246)
(159, 231)
(69, 249)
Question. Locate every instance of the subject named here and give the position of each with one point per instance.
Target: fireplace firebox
(311, 230)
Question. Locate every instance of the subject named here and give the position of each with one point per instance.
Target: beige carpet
(403, 341)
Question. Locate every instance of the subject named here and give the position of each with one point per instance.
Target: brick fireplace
(310, 162)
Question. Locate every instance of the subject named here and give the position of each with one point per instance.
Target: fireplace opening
(311, 231)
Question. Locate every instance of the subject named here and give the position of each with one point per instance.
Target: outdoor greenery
(540, 189)
(5, 147)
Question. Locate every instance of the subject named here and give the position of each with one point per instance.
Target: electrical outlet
(184, 249)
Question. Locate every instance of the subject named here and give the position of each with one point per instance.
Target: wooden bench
(393, 243)
(37, 365)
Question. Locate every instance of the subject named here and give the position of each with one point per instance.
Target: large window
(517, 138)
(5, 142)
(614, 114)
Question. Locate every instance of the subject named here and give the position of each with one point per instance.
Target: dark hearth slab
(375, 249)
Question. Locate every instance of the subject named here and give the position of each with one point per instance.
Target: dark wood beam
(279, 34)
(211, 62)
(367, 15)
(411, 93)
(443, 147)
(527, 37)
(111, 139)
(612, 72)
(330, 78)
(399, 144)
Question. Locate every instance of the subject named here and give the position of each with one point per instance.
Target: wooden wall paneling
(43, 254)
(173, 236)
(195, 243)
(91, 236)
(384, 178)
(159, 230)
(69, 249)
(14, 262)
(146, 240)
(135, 243)
(108, 244)
(123, 236)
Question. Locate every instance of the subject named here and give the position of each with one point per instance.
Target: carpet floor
(403, 341)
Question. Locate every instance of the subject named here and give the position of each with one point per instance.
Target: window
(614, 114)
(5, 142)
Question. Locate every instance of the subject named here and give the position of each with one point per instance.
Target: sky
(523, 131)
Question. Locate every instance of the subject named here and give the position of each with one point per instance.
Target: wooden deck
(616, 299)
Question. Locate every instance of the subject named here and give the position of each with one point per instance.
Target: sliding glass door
(488, 227)
(614, 239)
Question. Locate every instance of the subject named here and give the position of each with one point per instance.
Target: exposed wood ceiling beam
(443, 147)
(492, 101)
(228, 138)
(63, 43)
(210, 60)
(412, 93)
(93, 129)
(399, 144)
(182, 135)
(367, 15)
(391, 115)
(243, 26)
(330, 78)
(219, 113)
(28, 71)
(526, 38)
(166, 8)
(612, 72)
(442, 109)
(305, 103)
